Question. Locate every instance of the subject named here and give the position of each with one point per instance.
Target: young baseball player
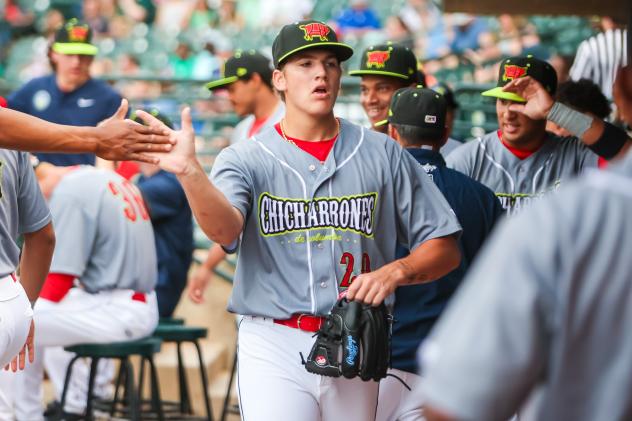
(316, 206)
(115, 139)
(248, 80)
(383, 70)
(101, 281)
(69, 95)
(23, 212)
(522, 161)
(418, 122)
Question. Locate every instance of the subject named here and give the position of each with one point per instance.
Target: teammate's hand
(373, 287)
(198, 282)
(19, 362)
(181, 159)
(120, 139)
(539, 101)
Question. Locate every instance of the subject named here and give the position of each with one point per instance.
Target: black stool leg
(119, 378)
(185, 404)
(65, 390)
(230, 386)
(156, 400)
(130, 392)
(207, 403)
(93, 372)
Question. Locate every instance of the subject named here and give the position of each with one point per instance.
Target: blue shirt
(417, 307)
(358, 19)
(87, 105)
(173, 226)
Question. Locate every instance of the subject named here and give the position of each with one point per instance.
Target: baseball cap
(306, 34)
(241, 65)
(74, 37)
(419, 107)
(515, 67)
(448, 94)
(154, 112)
(388, 59)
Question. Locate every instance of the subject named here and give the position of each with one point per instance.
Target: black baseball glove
(354, 340)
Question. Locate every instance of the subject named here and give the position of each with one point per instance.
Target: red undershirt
(519, 153)
(318, 150)
(256, 126)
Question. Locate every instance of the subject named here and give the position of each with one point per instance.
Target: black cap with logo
(419, 107)
(306, 34)
(390, 59)
(242, 65)
(516, 67)
(443, 89)
(74, 37)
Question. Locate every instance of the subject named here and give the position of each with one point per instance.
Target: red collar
(519, 153)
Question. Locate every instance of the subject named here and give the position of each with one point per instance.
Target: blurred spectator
(397, 31)
(138, 10)
(206, 65)
(468, 31)
(129, 65)
(358, 17)
(562, 65)
(280, 12)
(231, 20)
(93, 16)
(202, 16)
(53, 20)
(69, 95)
(182, 61)
(583, 95)
(599, 57)
(173, 15)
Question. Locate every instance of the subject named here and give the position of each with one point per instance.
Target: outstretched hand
(19, 362)
(121, 139)
(181, 158)
(538, 101)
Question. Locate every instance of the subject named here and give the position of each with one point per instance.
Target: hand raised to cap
(181, 158)
(121, 139)
(539, 101)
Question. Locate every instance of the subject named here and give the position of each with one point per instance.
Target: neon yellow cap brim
(498, 92)
(72, 48)
(378, 73)
(381, 123)
(220, 83)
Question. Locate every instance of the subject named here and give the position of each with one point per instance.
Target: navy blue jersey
(417, 307)
(87, 105)
(173, 231)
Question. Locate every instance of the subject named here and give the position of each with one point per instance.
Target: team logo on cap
(377, 59)
(315, 30)
(513, 72)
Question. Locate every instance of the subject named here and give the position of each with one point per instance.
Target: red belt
(305, 322)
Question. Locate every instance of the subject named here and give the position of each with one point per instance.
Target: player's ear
(278, 80)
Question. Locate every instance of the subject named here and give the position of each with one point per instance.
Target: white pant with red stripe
(274, 385)
(80, 317)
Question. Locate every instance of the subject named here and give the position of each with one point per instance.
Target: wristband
(610, 142)
(575, 122)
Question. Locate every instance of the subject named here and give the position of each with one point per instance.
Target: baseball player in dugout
(69, 95)
(522, 161)
(556, 330)
(23, 212)
(418, 122)
(101, 282)
(384, 69)
(316, 206)
(248, 80)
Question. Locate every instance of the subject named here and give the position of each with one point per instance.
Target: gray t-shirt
(22, 206)
(104, 234)
(548, 305)
(309, 228)
(517, 182)
(243, 127)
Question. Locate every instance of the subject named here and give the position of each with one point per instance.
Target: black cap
(154, 112)
(390, 59)
(515, 67)
(305, 34)
(444, 89)
(242, 65)
(419, 107)
(74, 37)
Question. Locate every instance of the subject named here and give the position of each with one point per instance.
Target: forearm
(27, 133)
(428, 262)
(37, 254)
(217, 217)
(215, 255)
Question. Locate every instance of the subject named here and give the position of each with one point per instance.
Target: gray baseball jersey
(310, 228)
(104, 234)
(517, 182)
(243, 127)
(22, 206)
(548, 303)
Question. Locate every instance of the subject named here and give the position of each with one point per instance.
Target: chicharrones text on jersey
(279, 215)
